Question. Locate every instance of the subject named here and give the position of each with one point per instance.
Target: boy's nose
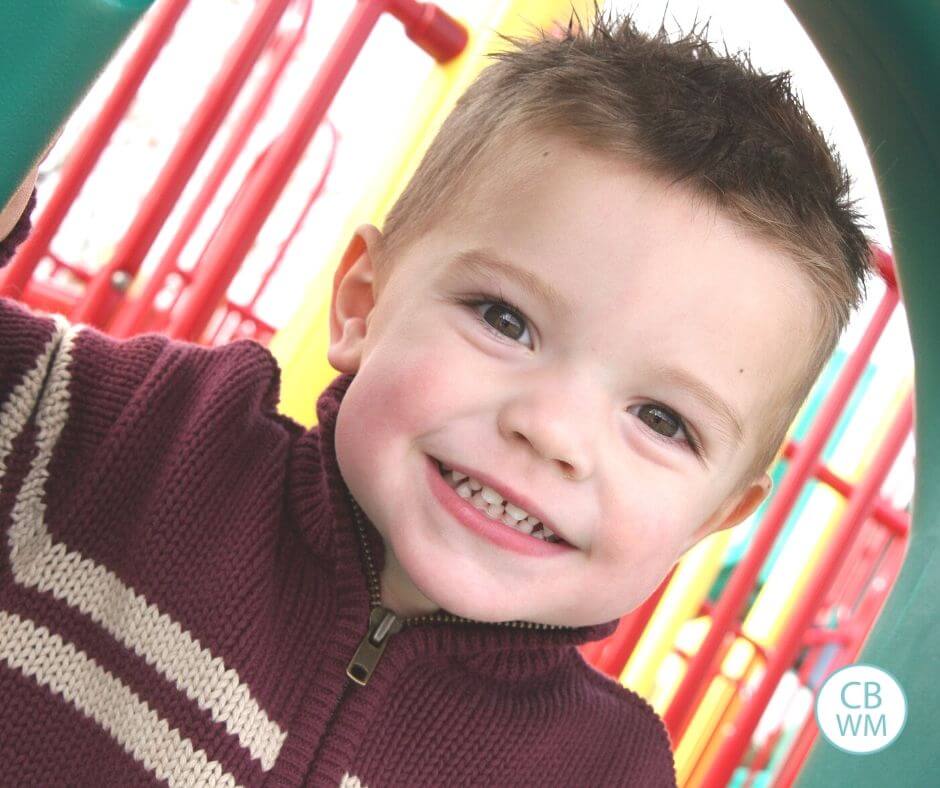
(554, 422)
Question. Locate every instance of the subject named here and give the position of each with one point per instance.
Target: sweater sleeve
(23, 336)
(131, 439)
(27, 345)
(137, 434)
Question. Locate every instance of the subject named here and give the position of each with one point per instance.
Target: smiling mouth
(495, 507)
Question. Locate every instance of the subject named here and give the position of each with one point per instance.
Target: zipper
(383, 623)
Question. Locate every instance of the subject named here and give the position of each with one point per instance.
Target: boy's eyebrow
(486, 262)
(703, 392)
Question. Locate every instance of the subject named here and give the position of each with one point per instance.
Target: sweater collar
(344, 536)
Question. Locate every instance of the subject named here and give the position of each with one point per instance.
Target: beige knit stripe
(15, 412)
(58, 665)
(97, 592)
(349, 781)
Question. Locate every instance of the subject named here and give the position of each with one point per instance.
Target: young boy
(571, 354)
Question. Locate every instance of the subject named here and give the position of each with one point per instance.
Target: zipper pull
(382, 625)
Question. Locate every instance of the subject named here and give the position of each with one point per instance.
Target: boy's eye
(666, 423)
(501, 317)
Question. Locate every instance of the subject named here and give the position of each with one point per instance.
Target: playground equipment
(42, 56)
(102, 302)
(886, 58)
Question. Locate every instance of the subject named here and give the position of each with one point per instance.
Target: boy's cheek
(641, 519)
(649, 542)
(630, 579)
(399, 399)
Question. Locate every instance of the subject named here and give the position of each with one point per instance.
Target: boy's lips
(508, 494)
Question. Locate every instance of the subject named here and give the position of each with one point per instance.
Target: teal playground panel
(51, 51)
(886, 59)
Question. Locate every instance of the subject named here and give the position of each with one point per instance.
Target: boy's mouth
(494, 506)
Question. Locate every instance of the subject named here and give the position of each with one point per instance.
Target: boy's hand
(13, 210)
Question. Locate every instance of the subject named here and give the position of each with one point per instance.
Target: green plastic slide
(51, 52)
(886, 59)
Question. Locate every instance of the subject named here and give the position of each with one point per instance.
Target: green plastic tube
(51, 52)
(886, 59)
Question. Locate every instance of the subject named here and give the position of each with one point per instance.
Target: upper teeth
(495, 506)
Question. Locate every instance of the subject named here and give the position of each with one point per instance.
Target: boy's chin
(464, 596)
(477, 609)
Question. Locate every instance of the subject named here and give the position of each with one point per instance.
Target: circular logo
(861, 709)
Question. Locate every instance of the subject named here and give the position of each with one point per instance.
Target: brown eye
(668, 426)
(500, 317)
(505, 321)
(660, 420)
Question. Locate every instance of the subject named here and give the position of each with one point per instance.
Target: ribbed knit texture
(182, 587)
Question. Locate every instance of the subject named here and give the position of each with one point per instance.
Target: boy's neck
(399, 593)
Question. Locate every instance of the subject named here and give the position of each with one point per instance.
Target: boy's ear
(737, 509)
(353, 300)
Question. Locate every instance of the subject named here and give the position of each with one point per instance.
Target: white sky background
(371, 113)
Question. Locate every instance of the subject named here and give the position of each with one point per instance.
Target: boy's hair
(739, 138)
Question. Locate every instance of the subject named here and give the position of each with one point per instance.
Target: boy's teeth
(467, 484)
(491, 496)
(524, 526)
(514, 511)
(491, 503)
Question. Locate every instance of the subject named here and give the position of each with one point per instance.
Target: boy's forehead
(558, 185)
(573, 219)
(567, 219)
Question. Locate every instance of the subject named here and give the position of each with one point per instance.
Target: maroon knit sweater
(184, 580)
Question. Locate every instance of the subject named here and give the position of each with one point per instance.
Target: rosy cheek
(398, 395)
(645, 535)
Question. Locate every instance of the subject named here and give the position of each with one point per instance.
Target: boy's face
(569, 406)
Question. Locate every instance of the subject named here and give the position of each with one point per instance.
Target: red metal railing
(196, 294)
(860, 505)
(137, 314)
(106, 288)
(429, 27)
(711, 652)
(87, 151)
(849, 639)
